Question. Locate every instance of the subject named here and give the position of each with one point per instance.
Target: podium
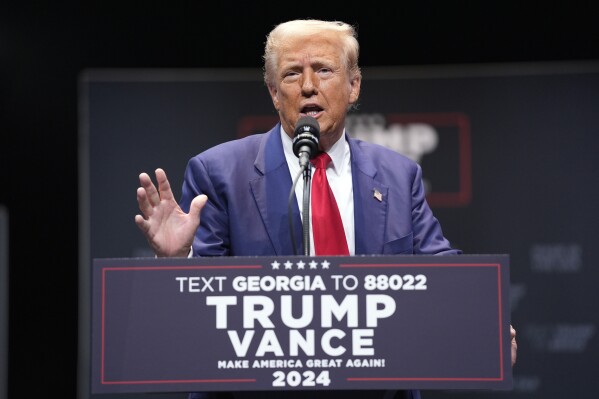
(300, 323)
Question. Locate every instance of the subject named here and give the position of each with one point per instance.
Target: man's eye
(289, 75)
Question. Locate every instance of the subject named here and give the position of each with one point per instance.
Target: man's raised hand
(168, 229)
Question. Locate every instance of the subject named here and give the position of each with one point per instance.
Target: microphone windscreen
(307, 124)
(306, 136)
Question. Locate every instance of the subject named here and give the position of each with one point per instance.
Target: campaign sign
(301, 323)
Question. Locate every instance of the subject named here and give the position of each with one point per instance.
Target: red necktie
(327, 227)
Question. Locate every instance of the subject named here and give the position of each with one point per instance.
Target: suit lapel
(370, 203)
(271, 193)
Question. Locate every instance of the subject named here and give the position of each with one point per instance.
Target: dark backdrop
(45, 46)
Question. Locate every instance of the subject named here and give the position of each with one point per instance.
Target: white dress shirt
(340, 180)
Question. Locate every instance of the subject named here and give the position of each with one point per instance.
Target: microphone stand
(306, 171)
(306, 209)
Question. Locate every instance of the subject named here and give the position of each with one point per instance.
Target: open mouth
(311, 110)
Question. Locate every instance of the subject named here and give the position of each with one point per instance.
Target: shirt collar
(339, 152)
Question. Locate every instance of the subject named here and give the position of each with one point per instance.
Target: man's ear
(274, 96)
(355, 89)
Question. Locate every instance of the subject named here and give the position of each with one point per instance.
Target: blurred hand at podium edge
(514, 345)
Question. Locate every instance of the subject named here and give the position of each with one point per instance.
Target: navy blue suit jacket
(247, 182)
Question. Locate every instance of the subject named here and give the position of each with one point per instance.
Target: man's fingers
(151, 192)
(197, 204)
(144, 204)
(153, 195)
(142, 223)
(164, 187)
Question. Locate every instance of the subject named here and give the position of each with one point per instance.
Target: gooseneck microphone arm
(305, 147)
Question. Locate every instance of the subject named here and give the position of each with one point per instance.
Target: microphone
(305, 139)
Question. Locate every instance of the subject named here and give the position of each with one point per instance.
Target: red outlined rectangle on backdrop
(461, 197)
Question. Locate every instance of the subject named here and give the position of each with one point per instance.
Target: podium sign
(296, 322)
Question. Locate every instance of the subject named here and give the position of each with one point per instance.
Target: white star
(313, 264)
(325, 264)
(288, 265)
(300, 265)
(275, 265)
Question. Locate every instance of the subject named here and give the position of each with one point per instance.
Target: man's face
(311, 79)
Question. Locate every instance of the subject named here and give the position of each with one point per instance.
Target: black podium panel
(310, 323)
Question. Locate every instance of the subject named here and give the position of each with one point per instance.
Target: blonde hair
(279, 36)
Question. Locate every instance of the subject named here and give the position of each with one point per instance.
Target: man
(241, 187)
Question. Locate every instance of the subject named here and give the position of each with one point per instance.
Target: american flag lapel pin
(377, 194)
